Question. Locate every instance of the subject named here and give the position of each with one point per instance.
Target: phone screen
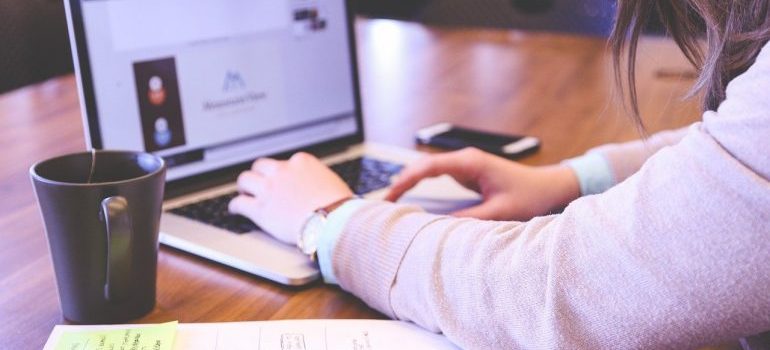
(457, 138)
(467, 138)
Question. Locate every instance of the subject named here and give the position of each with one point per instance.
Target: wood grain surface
(553, 86)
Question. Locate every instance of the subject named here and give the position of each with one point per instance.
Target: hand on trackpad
(441, 195)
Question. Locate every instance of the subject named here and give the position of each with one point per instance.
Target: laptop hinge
(205, 181)
(325, 151)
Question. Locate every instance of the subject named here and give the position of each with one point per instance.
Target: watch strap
(323, 212)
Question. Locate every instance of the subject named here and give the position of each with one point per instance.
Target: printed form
(269, 335)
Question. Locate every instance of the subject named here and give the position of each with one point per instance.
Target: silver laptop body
(212, 85)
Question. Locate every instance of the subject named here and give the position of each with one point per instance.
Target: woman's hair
(735, 31)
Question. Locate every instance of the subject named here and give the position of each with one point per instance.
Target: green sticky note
(154, 337)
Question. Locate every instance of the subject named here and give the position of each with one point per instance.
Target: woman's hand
(511, 191)
(280, 196)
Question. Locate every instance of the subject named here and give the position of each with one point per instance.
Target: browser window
(210, 83)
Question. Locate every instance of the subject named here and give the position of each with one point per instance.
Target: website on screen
(210, 83)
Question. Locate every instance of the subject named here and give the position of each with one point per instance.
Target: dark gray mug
(102, 214)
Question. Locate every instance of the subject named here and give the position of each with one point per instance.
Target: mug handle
(119, 244)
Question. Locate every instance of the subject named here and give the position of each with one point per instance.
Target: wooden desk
(555, 87)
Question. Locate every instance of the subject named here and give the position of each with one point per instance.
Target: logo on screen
(233, 81)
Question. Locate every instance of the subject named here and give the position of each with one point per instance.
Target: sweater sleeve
(607, 165)
(673, 257)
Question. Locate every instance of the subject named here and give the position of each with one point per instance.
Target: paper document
(148, 337)
(274, 335)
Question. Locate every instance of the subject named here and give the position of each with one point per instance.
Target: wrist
(315, 224)
(565, 186)
(332, 233)
(336, 204)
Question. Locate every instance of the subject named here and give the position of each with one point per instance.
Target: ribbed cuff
(593, 172)
(335, 224)
(369, 252)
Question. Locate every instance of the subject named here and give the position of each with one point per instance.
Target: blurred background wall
(34, 44)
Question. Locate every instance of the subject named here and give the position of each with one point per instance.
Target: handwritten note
(154, 337)
(292, 341)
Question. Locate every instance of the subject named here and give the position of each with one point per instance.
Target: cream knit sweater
(677, 255)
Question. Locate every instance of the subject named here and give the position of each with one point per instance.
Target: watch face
(311, 232)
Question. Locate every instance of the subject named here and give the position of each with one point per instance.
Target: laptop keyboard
(213, 211)
(363, 175)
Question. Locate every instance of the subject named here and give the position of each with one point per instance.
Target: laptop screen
(212, 83)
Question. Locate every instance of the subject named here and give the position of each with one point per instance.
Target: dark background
(592, 17)
(34, 44)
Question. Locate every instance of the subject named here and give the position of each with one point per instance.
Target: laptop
(212, 85)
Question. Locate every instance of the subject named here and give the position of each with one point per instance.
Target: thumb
(431, 166)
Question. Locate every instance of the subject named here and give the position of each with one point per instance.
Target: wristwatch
(307, 241)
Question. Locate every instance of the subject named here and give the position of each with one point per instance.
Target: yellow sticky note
(153, 337)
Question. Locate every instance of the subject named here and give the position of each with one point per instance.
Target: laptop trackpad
(441, 195)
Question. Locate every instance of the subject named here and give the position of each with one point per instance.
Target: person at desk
(663, 243)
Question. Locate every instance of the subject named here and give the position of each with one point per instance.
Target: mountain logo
(233, 81)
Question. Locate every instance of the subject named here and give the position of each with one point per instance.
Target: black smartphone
(451, 137)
